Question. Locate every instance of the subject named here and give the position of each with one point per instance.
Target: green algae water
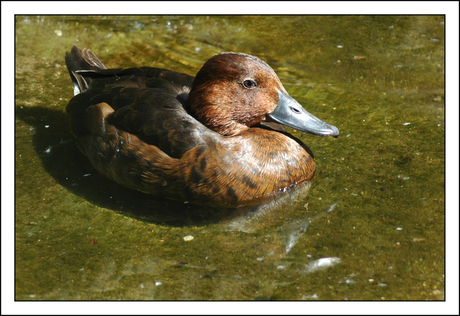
(370, 228)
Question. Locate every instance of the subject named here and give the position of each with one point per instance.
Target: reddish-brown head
(234, 91)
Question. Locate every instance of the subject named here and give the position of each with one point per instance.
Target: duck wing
(150, 103)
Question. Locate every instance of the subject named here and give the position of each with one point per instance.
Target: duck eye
(249, 84)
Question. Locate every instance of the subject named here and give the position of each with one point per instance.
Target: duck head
(234, 91)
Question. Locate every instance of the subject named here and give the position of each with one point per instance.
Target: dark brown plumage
(207, 140)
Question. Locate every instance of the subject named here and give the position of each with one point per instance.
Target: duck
(214, 139)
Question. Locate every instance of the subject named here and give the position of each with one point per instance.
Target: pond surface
(370, 228)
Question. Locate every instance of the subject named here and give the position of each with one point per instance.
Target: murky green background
(379, 79)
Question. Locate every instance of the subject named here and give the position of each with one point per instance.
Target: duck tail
(80, 62)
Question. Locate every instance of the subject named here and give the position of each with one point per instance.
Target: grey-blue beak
(290, 113)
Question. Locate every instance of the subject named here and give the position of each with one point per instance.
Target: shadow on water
(57, 149)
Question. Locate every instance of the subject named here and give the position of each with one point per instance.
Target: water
(379, 79)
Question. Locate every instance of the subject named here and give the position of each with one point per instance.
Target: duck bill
(290, 113)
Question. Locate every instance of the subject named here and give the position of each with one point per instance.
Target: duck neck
(213, 112)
